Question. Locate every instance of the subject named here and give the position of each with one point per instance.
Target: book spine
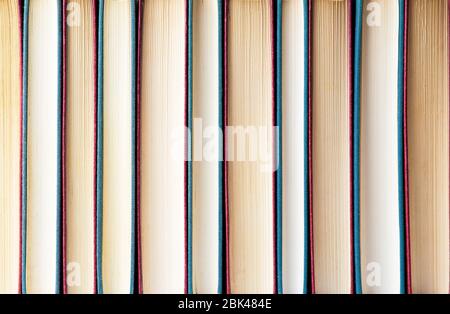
(133, 11)
(23, 143)
(225, 148)
(406, 232)
(356, 146)
(63, 151)
(59, 264)
(350, 108)
(188, 160)
(221, 200)
(310, 168)
(306, 25)
(402, 150)
(94, 181)
(138, 146)
(99, 156)
(278, 149)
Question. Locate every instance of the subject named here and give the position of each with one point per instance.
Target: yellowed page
(10, 138)
(80, 150)
(250, 184)
(162, 159)
(117, 148)
(331, 147)
(428, 145)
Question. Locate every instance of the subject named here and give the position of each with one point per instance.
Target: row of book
(235, 146)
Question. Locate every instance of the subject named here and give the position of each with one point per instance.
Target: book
(79, 142)
(250, 151)
(427, 154)
(162, 146)
(10, 145)
(205, 218)
(379, 213)
(330, 147)
(41, 147)
(292, 175)
(116, 139)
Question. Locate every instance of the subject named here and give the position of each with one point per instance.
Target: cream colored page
(293, 108)
(331, 147)
(42, 144)
(250, 184)
(9, 146)
(162, 162)
(428, 145)
(117, 148)
(80, 150)
(205, 137)
(379, 163)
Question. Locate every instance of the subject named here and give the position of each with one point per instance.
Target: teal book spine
(279, 148)
(306, 23)
(357, 143)
(23, 243)
(189, 112)
(24, 146)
